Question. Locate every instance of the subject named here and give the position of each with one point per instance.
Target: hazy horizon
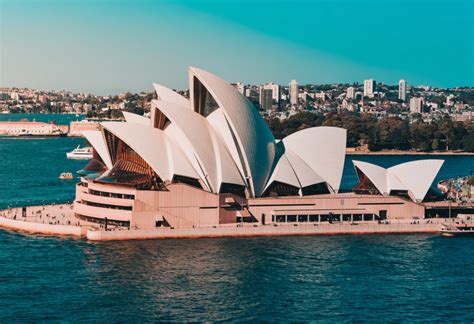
(108, 47)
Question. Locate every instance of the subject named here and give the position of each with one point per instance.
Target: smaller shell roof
(134, 118)
(305, 174)
(418, 175)
(166, 94)
(415, 176)
(96, 139)
(321, 148)
(376, 174)
(155, 148)
(284, 173)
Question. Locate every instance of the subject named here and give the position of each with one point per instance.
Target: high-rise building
(293, 90)
(350, 94)
(402, 90)
(369, 88)
(416, 105)
(275, 91)
(266, 99)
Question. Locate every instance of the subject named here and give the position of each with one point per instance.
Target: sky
(111, 46)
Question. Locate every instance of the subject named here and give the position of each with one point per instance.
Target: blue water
(277, 279)
(29, 170)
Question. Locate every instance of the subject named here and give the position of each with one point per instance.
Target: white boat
(80, 153)
(458, 230)
(66, 176)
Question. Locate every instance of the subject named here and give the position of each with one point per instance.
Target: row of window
(90, 203)
(322, 218)
(110, 194)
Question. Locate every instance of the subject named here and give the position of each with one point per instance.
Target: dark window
(302, 218)
(204, 102)
(316, 189)
(277, 189)
(291, 218)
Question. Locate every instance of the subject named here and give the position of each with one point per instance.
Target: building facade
(266, 99)
(33, 128)
(293, 91)
(402, 90)
(77, 127)
(369, 88)
(416, 105)
(350, 93)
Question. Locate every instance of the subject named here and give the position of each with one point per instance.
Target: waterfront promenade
(47, 219)
(59, 220)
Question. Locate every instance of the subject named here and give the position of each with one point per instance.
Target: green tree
(468, 142)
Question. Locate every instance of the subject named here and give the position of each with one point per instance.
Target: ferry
(458, 230)
(84, 153)
(66, 176)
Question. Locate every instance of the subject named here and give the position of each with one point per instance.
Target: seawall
(262, 230)
(59, 220)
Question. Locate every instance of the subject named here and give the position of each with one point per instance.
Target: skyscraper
(350, 94)
(416, 105)
(402, 90)
(275, 91)
(266, 99)
(293, 90)
(369, 88)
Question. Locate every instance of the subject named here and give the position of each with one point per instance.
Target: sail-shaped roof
(321, 148)
(155, 148)
(134, 118)
(252, 137)
(166, 94)
(414, 177)
(96, 139)
(193, 131)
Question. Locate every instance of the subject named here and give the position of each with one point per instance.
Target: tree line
(388, 133)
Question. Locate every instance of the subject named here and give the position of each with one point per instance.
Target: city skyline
(110, 47)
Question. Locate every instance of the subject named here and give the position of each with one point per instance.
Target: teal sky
(106, 46)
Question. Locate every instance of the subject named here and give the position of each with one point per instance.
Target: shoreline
(59, 221)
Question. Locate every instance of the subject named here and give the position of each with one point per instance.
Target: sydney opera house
(211, 160)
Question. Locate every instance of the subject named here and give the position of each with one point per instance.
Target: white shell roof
(415, 176)
(227, 170)
(166, 94)
(96, 139)
(376, 174)
(134, 118)
(292, 170)
(306, 175)
(284, 173)
(220, 125)
(233, 144)
(253, 137)
(193, 132)
(321, 148)
(155, 148)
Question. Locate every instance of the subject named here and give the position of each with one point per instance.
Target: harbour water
(330, 278)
